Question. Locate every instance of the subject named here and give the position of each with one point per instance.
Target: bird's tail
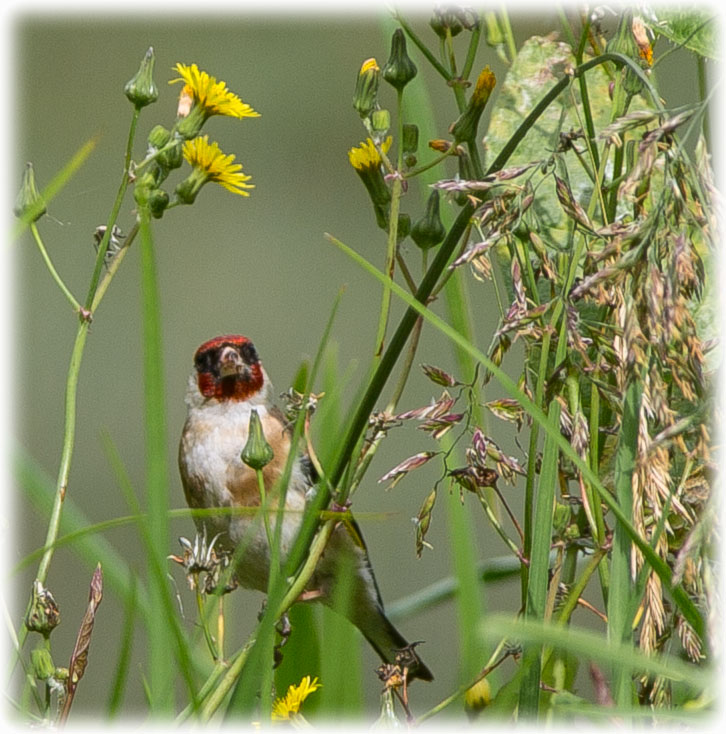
(387, 641)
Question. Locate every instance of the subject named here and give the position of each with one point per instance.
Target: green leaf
(694, 29)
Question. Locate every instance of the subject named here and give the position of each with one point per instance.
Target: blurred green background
(258, 266)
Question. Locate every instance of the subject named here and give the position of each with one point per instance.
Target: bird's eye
(204, 361)
(249, 353)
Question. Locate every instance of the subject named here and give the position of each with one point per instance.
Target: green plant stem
(115, 209)
(396, 191)
(207, 635)
(71, 391)
(216, 688)
(54, 273)
(422, 47)
(473, 46)
(391, 407)
(112, 268)
(263, 508)
(508, 34)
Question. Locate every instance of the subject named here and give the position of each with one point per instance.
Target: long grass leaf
(39, 489)
(592, 646)
(621, 583)
(161, 674)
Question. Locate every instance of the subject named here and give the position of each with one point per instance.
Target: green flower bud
(380, 122)
(366, 88)
(429, 231)
(158, 137)
(171, 158)
(409, 141)
(257, 453)
(399, 69)
(140, 89)
(446, 18)
(187, 190)
(42, 662)
(189, 126)
(367, 164)
(404, 227)
(29, 204)
(158, 200)
(43, 615)
(465, 128)
(623, 42)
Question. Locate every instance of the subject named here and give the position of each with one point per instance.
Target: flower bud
(257, 453)
(367, 164)
(42, 662)
(404, 227)
(29, 204)
(399, 69)
(190, 125)
(140, 89)
(429, 231)
(409, 140)
(366, 88)
(624, 42)
(158, 200)
(43, 615)
(171, 158)
(446, 19)
(380, 122)
(465, 128)
(186, 191)
(478, 697)
(158, 137)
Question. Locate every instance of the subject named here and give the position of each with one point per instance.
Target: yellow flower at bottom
(366, 155)
(293, 699)
(210, 164)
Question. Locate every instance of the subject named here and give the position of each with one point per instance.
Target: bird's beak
(230, 363)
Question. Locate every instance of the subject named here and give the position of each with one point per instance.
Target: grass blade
(157, 486)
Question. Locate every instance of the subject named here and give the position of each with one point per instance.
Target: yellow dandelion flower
(366, 155)
(211, 95)
(209, 163)
(285, 708)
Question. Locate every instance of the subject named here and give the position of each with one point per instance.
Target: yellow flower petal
(293, 699)
(366, 155)
(216, 166)
(210, 94)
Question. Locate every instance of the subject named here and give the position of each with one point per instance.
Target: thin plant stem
(423, 48)
(115, 209)
(396, 191)
(74, 369)
(54, 273)
(508, 34)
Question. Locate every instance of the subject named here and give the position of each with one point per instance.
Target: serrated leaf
(694, 29)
